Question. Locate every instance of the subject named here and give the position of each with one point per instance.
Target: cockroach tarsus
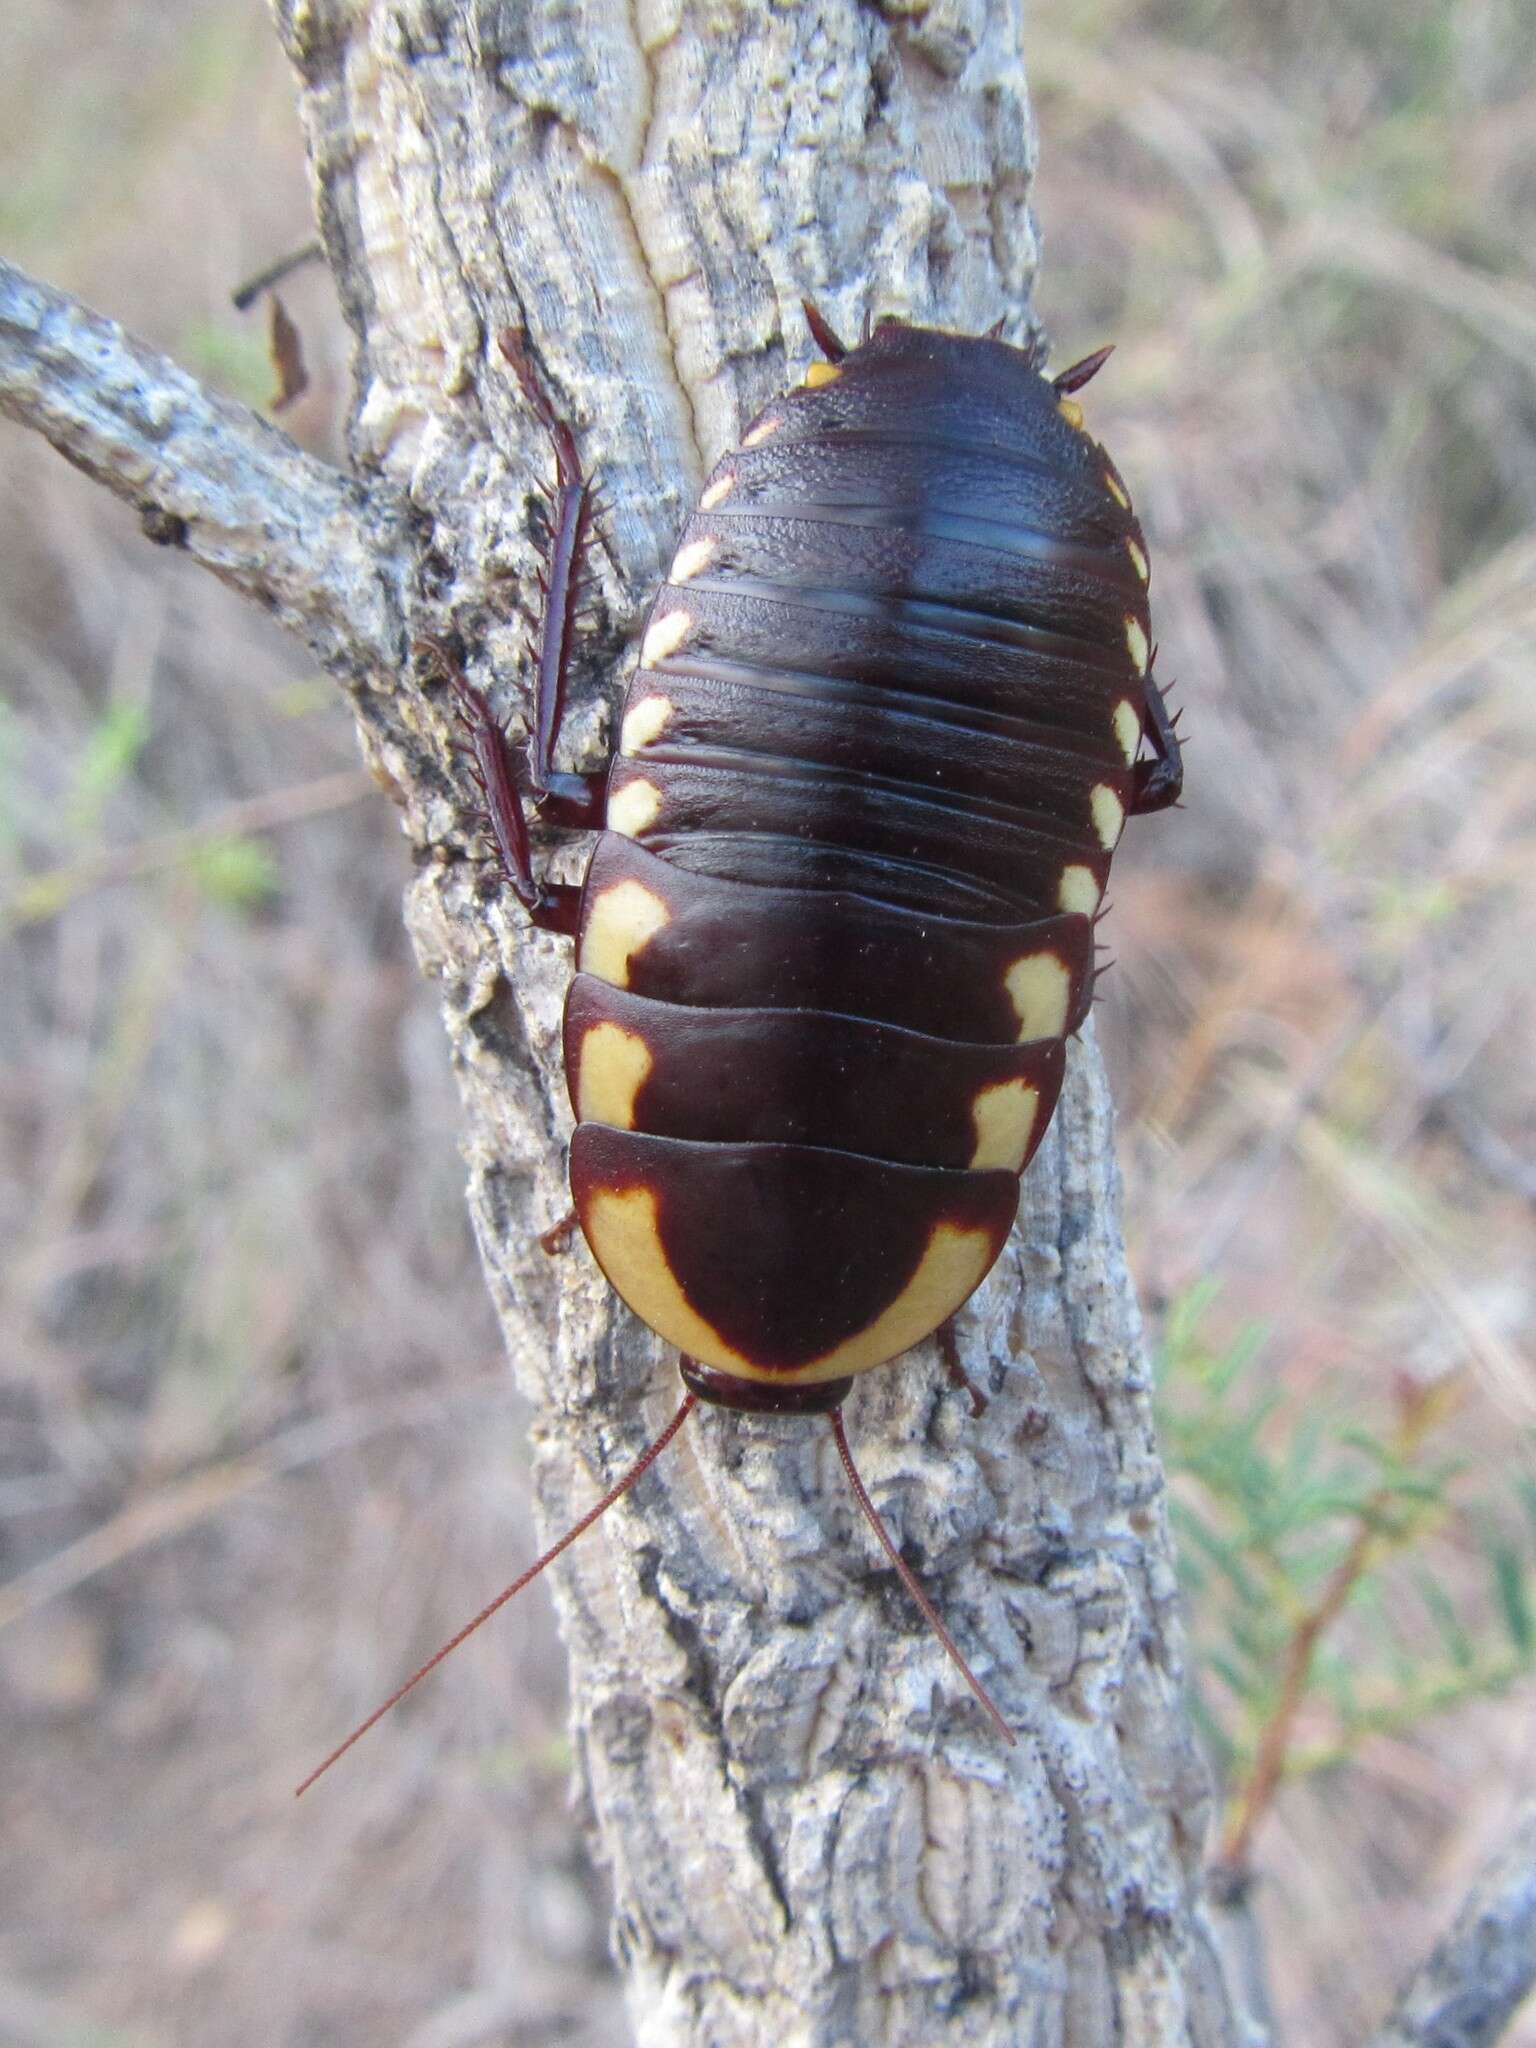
(838, 924)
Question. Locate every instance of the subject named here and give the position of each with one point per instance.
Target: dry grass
(1306, 227)
(256, 1451)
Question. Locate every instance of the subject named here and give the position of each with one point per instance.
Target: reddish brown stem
(1275, 1742)
(1422, 1408)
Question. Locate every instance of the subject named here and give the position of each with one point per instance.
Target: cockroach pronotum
(885, 730)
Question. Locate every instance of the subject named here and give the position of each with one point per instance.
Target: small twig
(178, 1504)
(33, 2019)
(306, 541)
(45, 895)
(1477, 1977)
(248, 293)
(1493, 1154)
(1423, 1407)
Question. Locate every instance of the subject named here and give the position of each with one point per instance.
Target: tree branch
(206, 474)
(811, 1835)
(1476, 1979)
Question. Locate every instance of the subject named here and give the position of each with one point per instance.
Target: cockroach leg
(570, 515)
(1159, 783)
(551, 906)
(822, 333)
(560, 798)
(949, 1351)
(574, 801)
(558, 1236)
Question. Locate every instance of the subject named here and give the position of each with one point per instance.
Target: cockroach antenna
(905, 1573)
(642, 1464)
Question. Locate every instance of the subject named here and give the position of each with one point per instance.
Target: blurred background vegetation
(256, 1448)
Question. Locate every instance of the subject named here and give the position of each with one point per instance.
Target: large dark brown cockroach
(884, 734)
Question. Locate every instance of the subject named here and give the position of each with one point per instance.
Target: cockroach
(885, 730)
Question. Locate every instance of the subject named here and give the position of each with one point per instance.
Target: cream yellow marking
(953, 1266)
(622, 920)
(1070, 411)
(1040, 988)
(622, 1229)
(643, 722)
(1108, 815)
(821, 373)
(1136, 641)
(665, 636)
(613, 1067)
(761, 432)
(691, 559)
(1004, 1117)
(1139, 562)
(633, 809)
(718, 491)
(1117, 490)
(1078, 891)
(1127, 729)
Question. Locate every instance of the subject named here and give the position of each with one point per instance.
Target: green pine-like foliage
(1345, 1575)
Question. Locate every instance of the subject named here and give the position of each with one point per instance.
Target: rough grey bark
(1481, 1973)
(309, 544)
(814, 1836)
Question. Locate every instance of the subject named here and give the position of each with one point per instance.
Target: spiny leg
(949, 1351)
(1159, 783)
(822, 333)
(552, 906)
(564, 799)
(558, 1236)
